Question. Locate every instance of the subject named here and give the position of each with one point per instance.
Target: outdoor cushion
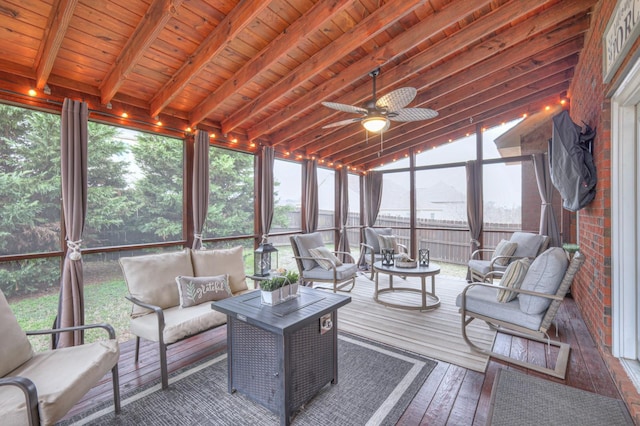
(62, 377)
(151, 278)
(15, 348)
(179, 323)
(482, 300)
(504, 248)
(544, 276)
(512, 278)
(484, 266)
(343, 272)
(371, 236)
(306, 242)
(386, 242)
(197, 290)
(323, 256)
(528, 244)
(230, 261)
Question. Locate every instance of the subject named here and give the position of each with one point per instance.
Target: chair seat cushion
(179, 323)
(62, 377)
(484, 266)
(482, 300)
(343, 272)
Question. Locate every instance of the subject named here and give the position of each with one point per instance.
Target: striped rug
(435, 334)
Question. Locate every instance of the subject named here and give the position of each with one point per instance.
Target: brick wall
(592, 286)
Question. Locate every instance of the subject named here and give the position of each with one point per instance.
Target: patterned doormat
(375, 385)
(519, 399)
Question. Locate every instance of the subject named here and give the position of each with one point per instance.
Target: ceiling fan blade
(413, 114)
(345, 107)
(397, 99)
(342, 123)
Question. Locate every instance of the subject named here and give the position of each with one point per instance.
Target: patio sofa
(170, 291)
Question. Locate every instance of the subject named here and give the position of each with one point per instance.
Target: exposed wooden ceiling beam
(395, 76)
(61, 14)
(525, 58)
(311, 21)
(236, 21)
(406, 40)
(368, 28)
(145, 34)
(547, 20)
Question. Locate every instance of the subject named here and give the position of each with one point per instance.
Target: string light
(125, 115)
(32, 92)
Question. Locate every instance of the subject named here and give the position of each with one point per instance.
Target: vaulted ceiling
(255, 73)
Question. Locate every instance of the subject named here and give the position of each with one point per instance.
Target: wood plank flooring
(451, 395)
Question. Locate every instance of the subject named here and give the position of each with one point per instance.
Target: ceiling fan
(377, 113)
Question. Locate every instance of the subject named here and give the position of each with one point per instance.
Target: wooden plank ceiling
(255, 72)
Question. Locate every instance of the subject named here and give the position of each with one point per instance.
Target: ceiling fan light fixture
(375, 123)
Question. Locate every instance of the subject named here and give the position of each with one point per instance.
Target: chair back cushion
(528, 244)
(371, 237)
(207, 263)
(15, 348)
(152, 278)
(306, 242)
(544, 276)
(504, 248)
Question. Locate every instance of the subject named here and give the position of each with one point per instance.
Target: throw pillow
(322, 255)
(504, 248)
(512, 278)
(387, 242)
(197, 290)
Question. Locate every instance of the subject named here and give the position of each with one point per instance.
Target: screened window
(326, 198)
(231, 193)
(30, 188)
(455, 151)
(498, 143)
(287, 196)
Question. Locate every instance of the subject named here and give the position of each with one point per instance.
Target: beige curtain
(343, 212)
(200, 190)
(548, 223)
(372, 196)
(474, 204)
(73, 153)
(310, 196)
(267, 160)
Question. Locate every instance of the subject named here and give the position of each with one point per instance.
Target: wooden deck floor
(451, 395)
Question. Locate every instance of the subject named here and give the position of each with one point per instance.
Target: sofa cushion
(151, 278)
(504, 248)
(197, 290)
(62, 377)
(323, 256)
(306, 242)
(15, 348)
(230, 261)
(512, 278)
(179, 323)
(544, 276)
(371, 236)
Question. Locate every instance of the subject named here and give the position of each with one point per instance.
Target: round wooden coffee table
(429, 300)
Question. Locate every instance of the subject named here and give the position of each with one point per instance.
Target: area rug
(375, 385)
(519, 399)
(434, 334)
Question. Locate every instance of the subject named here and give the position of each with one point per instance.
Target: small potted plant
(279, 288)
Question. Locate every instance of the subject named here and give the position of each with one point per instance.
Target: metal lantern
(265, 258)
(387, 257)
(423, 256)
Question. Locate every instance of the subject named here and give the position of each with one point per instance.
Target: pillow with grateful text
(197, 290)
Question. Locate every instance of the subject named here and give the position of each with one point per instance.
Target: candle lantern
(265, 258)
(387, 257)
(423, 256)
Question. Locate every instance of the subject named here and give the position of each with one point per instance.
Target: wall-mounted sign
(621, 32)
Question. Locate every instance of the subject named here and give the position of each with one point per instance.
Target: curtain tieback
(198, 237)
(74, 246)
(474, 241)
(264, 238)
(546, 204)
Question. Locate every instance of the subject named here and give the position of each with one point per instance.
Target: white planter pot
(271, 297)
